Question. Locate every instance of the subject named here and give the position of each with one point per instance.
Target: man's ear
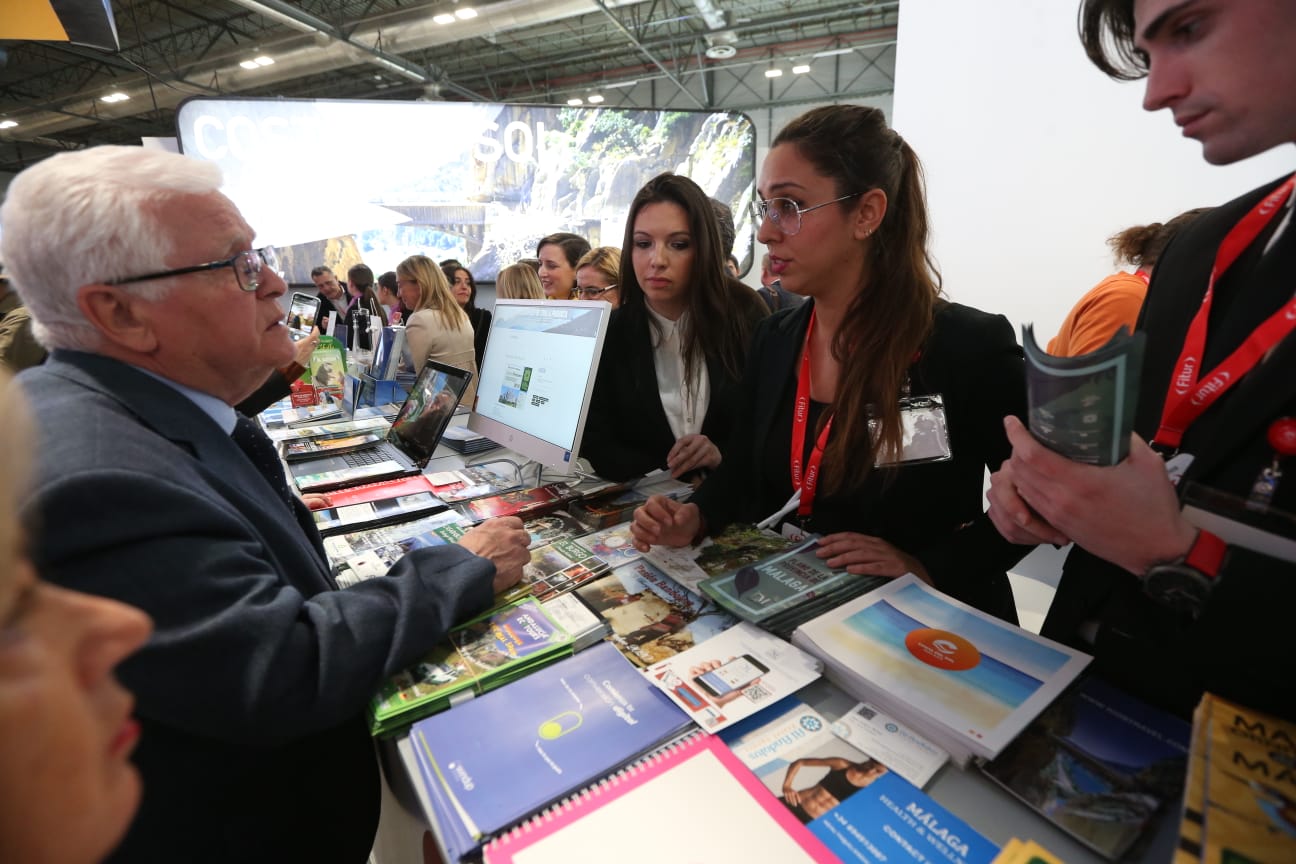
(120, 317)
(870, 213)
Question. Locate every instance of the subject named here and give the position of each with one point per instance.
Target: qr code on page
(758, 693)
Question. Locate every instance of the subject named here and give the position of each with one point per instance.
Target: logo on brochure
(810, 723)
(942, 649)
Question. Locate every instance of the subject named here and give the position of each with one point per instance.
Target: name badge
(925, 436)
(1176, 465)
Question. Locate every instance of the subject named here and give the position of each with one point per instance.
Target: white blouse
(685, 403)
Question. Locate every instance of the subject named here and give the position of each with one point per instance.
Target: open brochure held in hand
(1083, 407)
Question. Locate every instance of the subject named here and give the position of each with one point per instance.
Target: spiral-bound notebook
(694, 801)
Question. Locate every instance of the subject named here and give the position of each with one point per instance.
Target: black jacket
(932, 511)
(1239, 648)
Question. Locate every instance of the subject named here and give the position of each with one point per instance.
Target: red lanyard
(1144, 275)
(1190, 394)
(800, 420)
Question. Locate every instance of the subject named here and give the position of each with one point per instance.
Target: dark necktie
(261, 450)
(265, 458)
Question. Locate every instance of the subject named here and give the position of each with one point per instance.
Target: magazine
(617, 504)
(651, 616)
(557, 568)
(519, 502)
(353, 517)
(735, 547)
(965, 680)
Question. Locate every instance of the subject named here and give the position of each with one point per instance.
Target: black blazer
(1239, 647)
(626, 433)
(481, 322)
(252, 690)
(933, 511)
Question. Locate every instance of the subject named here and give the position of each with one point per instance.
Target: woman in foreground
(67, 788)
(870, 413)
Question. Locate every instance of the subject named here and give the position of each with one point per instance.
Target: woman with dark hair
(360, 282)
(667, 382)
(464, 288)
(870, 412)
(389, 296)
(558, 254)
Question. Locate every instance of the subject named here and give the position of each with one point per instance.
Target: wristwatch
(1185, 583)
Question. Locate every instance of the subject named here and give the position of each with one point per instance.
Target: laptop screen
(423, 418)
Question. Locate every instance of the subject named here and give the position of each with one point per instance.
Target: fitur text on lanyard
(800, 420)
(1191, 394)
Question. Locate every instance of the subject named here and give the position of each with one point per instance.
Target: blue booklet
(495, 760)
(890, 819)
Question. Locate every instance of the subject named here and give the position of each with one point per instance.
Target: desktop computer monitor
(537, 376)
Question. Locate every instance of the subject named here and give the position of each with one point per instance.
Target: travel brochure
(1083, 407)
(1238, 805)
(965, 680)
(651, 616)
(733, 675)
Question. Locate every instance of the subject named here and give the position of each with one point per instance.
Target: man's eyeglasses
(247, 269)
(784, 212)
(593, 292)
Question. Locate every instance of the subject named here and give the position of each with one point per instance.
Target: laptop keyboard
(361, 458)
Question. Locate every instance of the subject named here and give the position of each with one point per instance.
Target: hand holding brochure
(1083, 407)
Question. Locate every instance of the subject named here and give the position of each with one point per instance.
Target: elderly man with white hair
(152, 490)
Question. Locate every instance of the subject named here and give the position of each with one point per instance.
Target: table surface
(967, 793)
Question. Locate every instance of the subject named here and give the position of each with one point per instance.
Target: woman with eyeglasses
(596, 275)
(667, 386)
(437, 329)
(871, 412)
(464, 288)
(66, 731)
(518, 282)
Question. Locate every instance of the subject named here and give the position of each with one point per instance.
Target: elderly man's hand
(503, 542)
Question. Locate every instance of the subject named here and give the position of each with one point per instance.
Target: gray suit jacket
(252, 688)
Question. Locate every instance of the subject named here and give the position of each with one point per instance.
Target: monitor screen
(537, 376)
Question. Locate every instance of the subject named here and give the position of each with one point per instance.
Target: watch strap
(1206, 555)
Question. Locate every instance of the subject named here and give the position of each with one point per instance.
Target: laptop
(409, 444)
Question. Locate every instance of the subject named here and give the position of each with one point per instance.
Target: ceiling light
(721, 52)
(620, 84)
(773, 73)
(444, 18)
(249, 64)
(114, 97)
(465, 12)
(834, 52)
(263, 60)
(801, 69)
(8, 124)
(596, 98)
(574, 101)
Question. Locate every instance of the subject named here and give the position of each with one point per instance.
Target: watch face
(1178, 586)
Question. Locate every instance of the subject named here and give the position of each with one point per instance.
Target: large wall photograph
(339, 182)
